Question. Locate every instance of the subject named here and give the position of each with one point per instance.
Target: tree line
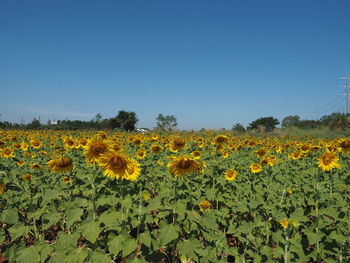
(127, 120)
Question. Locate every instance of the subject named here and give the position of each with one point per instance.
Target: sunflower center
(63, 162)
(117, 162)
(327, 159)
(230, 174)
(184, 164)
(98, 148)
(179, 142)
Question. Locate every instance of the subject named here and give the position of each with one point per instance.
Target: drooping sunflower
(94, 148)
(345, 145)
(177, 144)
(35, 166)
(27, 177)
(61, 164)
(329, 161)
(255, 168)
(2, 188)
(185, 165)
(196, 154)
(117, 166)
(220, 139)
(204, 205)
(230, 175)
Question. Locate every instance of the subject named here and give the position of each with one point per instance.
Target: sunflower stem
(317, 221)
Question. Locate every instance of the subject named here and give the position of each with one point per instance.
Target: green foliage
(268, 123)
(238, 128)
(97, 219)
(166, 123)
(124, 120)
(289, 121)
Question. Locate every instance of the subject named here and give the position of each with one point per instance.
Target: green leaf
(91, 231)
(100, 257)
(17, 231)
(312, 237)
(115, 245)
(145, 238)
(187, 247)
(168, 233)
(337, 237)
(28, 255)
(77, 255)
(74, 215)
(2, 236)
(9, 216)
(130, 246)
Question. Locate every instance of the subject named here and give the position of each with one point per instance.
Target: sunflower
(328, 161)
(8, 153)
(345, 145)
(295, 223)
(68, 142)
(20, 163)
(94, 148)
(185, 165)
(61, 164)
(220, 139)
(295, 155)
(230, 175)
(204, 205)
(261, 152)
(117, 166)
(305, 148)
(156, 148)
(177, 144)
(196, 154)
(27, 177)
(255, 168)
(2, 188)
(35, 166)
(141, 153)
(284, 223)
(36, 144)
(67, 180)
(225, 154)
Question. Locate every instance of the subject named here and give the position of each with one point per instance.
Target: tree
(269, 123)
(292, 120)
(98, 118)
(238, 127)
(166, 123)
(125, 120)
(35, 124)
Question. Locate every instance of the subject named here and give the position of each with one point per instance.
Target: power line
(332, 106)
(330, 102)
(346, 86)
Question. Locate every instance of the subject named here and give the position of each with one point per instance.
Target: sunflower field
(186, 197)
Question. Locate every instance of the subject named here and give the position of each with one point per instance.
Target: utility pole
(346, 86)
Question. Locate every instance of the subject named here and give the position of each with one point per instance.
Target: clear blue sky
(210, 63)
